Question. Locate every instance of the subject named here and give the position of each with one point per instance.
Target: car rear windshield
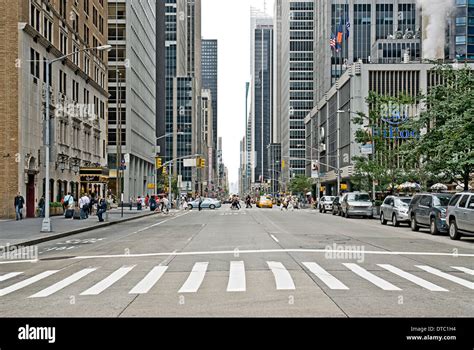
(359, 197)
(405, 200)
(441, 201)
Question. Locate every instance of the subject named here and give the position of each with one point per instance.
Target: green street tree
(446, 146)
(300, 184)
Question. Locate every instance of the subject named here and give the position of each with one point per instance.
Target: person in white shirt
(84, 202)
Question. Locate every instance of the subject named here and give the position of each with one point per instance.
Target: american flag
(332, 41)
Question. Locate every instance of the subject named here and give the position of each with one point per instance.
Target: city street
(256, 262)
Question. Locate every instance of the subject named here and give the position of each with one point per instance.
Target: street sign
(366, 149)
(151, 186)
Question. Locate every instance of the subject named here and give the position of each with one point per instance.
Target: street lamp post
(46, 224)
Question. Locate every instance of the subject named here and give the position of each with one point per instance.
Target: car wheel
(333, 212)
(395, 221)
(433, 228)
(190, 207)
(212, 207)
(453, 230)
(413, 225)
(347, 215)
(382, 219)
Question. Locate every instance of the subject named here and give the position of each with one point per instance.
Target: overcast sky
(229, 23)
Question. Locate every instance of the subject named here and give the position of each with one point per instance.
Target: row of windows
(63, 83)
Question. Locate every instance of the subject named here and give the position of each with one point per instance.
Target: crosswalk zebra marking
(63, 284)
(328, 279)
(464, 269)
(149, 281)
(26, 282)
(9, 276)
(283, 278)
(108, 281)
(195, 278)
(412, 278)
(379, 282)
(449, 277)
(237, 281)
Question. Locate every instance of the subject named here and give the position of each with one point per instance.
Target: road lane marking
(26, 282)
(379, 282)
(9, 275)
(275, 239)
(63, 284)
(265, 251)
(328, 279)
(108, 281)
(149, 281)
(283, 278)
(412, 278)
(464, 269)
(237, 281)
(195, 278)
(18, 262)
(444, 275)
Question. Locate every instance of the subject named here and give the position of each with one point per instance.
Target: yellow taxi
(265, 202)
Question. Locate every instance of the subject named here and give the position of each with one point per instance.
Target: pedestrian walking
(139, 203)
(41, 204)
(101, 209)
(165, 207)
(83, 206)
(147, 201)
(19, 204)
(200, 203)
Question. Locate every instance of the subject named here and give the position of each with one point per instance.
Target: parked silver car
(357, 204)
(395, 209)
(460, 215)
(325, 204)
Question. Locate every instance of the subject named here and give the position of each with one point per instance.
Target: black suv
(429, 210)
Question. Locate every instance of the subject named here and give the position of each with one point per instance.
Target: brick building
(30, 31)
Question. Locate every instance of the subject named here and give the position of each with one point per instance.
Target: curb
(74, 232)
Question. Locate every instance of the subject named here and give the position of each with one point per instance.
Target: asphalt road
(257, 262)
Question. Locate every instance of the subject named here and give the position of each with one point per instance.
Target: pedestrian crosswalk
(237, 279)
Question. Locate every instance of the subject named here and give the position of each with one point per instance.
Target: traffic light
(165, 171)
(159, 163)
(202, 164)
(283, 164)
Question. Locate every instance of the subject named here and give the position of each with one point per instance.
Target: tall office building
(210, 81)
(132, 85)
(31, 32)
(160, 77)
(373, 31)
(183, 90)
(294, 83)
(262, 91)
(248, 140)
(461, 39)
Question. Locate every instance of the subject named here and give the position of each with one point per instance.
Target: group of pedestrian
(289, 203)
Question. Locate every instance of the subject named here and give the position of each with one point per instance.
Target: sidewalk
(27, 232)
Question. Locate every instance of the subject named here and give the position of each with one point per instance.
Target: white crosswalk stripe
(379, 282)
(195, 278)
(149, 281)
(328, 279)
(63, 284)
(109, 281)
(237, 281)
(10, 275)
(464, 269)
(283, 278)
(449, 277)
(27, 282)
(412, 278)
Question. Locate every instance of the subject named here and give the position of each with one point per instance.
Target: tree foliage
(445, 149)
(301, 184)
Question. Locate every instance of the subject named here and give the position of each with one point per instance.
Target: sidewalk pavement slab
(27, 232)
